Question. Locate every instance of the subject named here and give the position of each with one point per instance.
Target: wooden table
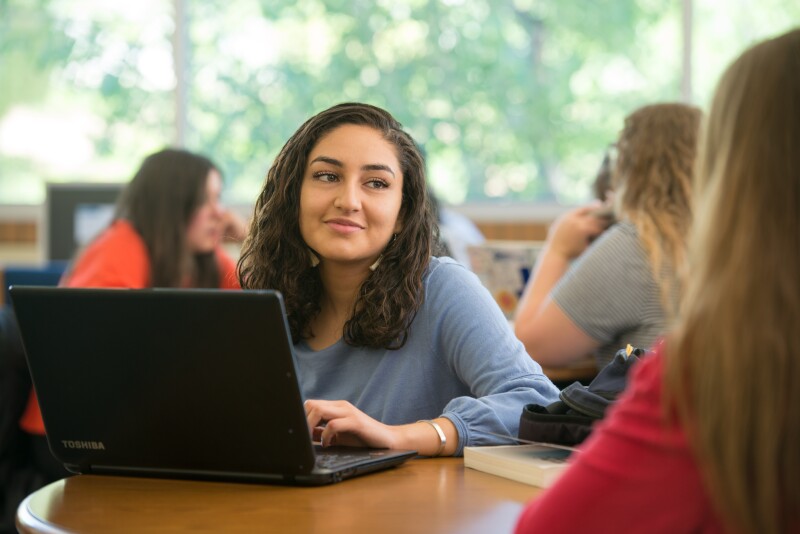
(423, 495)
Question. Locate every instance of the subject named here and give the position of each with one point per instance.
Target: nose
(348, 197)
(213, 206)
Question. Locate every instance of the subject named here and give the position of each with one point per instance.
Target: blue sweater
(461, 361)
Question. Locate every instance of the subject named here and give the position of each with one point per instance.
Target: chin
(207, 249)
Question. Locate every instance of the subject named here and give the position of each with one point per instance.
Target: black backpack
(569, 421)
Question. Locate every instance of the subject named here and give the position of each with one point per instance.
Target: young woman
(385, 334)
(622, 288)
(706, 439)
(166, 233)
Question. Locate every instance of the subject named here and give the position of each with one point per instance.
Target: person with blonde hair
(593, 293)
(706, 438)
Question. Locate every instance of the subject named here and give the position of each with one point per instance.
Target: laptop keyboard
(333, 460)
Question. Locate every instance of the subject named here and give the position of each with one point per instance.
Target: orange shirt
(117, 258)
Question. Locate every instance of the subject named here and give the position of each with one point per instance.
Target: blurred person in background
(596, 288)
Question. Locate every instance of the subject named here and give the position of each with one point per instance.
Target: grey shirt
(610, 293)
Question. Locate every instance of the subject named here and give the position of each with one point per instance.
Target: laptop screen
(184, 382)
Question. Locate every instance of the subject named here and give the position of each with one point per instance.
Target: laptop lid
(173, 382)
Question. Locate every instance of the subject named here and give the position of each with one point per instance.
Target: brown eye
(325, 176)
(377, 184)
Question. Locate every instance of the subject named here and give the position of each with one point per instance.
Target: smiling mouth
(343, 226)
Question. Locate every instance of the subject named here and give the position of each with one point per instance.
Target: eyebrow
(368, 167)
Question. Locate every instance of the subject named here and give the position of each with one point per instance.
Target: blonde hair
(652, 183)
(733, 362)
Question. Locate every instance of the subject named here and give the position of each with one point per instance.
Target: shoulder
(119, 238)
(118, 257)
(228, 278)
(120, 230)
(619, 246)
(622, 236)
(453, 291)
(447, 274)
(124, 241)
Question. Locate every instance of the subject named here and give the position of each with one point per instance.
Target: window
(86, 91)
(512, 100)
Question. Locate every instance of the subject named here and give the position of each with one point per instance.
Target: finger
(341, 432)
(322, 411)
(327, 438)
(344, 424)
(589, 208)
(329, 434)
(595, 225)
(314, 414)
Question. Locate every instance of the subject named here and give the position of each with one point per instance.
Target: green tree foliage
(29, 51)
(502, 95)
(512, 99)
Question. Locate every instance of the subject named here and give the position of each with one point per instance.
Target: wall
(19, 226)
(18, 243)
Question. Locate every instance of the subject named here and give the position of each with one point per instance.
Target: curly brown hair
(652, 182)
(275, 256)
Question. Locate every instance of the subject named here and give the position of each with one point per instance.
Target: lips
(343, 226)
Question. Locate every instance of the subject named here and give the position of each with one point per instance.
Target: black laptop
(185, 383)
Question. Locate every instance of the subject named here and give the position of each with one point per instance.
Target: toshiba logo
(97, 445)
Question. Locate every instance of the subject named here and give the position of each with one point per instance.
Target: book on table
(537, 464)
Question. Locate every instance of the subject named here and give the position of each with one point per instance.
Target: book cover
(535, 464)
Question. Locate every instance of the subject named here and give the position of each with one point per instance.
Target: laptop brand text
(69, 444)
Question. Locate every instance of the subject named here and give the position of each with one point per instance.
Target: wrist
(557, 252)
(440, 440)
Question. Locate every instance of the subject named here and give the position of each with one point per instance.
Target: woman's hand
(341, 423)
(572, 233)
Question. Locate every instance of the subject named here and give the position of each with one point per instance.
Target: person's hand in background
(549, 336)
(234, 227)
(571, 233)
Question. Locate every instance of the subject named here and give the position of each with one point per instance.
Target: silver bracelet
(440, 432)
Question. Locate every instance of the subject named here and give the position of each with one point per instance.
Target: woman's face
(351, 195)
(205, 228)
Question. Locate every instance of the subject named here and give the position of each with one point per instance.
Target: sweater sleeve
(634, 474)
(470, 332)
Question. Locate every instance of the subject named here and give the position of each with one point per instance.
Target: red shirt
(633, 474)
(117, 258)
